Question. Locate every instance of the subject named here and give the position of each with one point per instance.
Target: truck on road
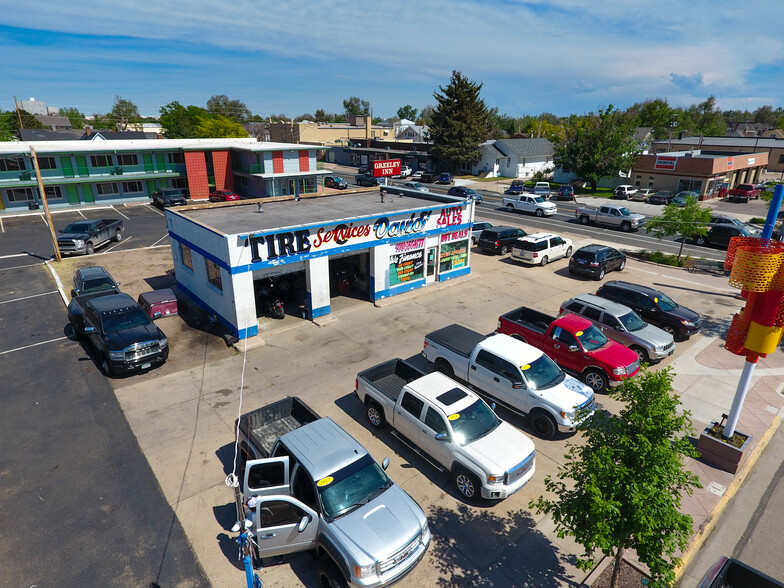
(318, 489)
(453, 426)
(731, 573)
(575, 344)
(614, 215)
(744, 193)
(84, 237)
(516, 375)
(532, 203)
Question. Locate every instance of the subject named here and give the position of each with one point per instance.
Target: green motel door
(147, 162)
(81, 165)
(87, 193)
(65, 163)
(72, 190)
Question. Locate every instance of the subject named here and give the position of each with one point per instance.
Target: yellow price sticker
(525, 367)
(655, 299)
(325, 481)
(454, 417)
(579, 333)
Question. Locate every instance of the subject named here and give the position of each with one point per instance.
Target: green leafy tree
(321, 115)
(28, 122)
(656, 114)
(688, 221)
(218, 126)
(6, 126)
(74, 115)
(123, 113)
(765, 115)
(459, 123)
(426, 115)
(356, 106)
(407, 112)
(621, 489)
(222, 105)
(597, 146)
(180, 122)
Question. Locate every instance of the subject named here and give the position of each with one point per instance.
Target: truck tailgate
(390, 377)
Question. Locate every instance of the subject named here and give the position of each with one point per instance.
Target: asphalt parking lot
(183, 413)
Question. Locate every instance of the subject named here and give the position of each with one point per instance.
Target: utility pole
(46, 204)
(18, 113)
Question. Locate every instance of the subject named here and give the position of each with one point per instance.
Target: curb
(705, 530)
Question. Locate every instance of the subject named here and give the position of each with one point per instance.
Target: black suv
(653, 306)
(335, 182)
(499, 239)
(596, 260)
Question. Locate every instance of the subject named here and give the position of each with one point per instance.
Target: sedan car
(415, 186)
(682, 198)
(223, 196)
(661, 197)
(367, 180)
(642, 195)
(463, 192)
(335, 182)
(169, 197)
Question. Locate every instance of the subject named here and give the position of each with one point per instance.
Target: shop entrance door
(430, 266)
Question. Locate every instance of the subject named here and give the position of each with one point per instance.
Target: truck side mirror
(89, 330)
(60, 231)
(441, 437)
(385, 464)
(574, 348)
(303, 524)
(518, 386)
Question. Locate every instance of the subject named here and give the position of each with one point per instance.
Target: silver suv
(620, 323)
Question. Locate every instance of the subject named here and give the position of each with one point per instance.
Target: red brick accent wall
(277, 162)
(221, 163)
(304, 161)
(196, 170)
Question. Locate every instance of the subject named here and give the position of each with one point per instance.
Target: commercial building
(77, 173)
(769, 144)
(309, 250)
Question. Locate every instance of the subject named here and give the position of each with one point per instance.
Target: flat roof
(244, 218)
(242, 144)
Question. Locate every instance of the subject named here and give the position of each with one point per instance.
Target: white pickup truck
(452, 425)
(533, 203)
(515, 374)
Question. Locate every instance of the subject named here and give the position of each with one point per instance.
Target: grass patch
(757, 220)
(659, 257)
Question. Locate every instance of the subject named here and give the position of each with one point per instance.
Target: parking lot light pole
(46, 204)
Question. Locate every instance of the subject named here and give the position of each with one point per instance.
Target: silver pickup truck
(318, 489)
(453, 426)
(615, 215)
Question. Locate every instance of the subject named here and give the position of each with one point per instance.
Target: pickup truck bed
(390, 377)
(457, 338)
(533, 319)
(265, 425)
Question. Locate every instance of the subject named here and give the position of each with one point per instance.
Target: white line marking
(14, 255)
(33, 345)
(108, 249)
(2, 228)
(158, 241)
(120, 213)
(81, 213)
(28, 297)
(2, 269)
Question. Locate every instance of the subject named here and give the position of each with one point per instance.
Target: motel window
(130, 187)
(19, 194)
(127, 159)
(101, 161)
(47, 163)
(107, 188)
(185, 255)
(52, 192)
(12, 164)
(214, 274)
(176, 157)
(181, 183)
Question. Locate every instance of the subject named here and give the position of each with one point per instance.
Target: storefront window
(407, 266)
(185, 255)
(214, 274)
(453, 256)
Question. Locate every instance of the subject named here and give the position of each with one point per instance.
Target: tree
(621, 488)
(218, 126)
(356, 106)
(765, 115)
(707, 118)
(597, 146)
(123, 112)
(74, 115)
(688, 221)
(180, 122)
(459, 123)
(408, 112)
(28, 122)
(222, 105)
(6, 128)
(656, 114)
(426, 115)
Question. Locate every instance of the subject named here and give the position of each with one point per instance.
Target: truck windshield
(473, 422)
(78, 228)
(351, 487)
(625, 211)
(542, 373)
(538, 199)
(591, 338)
(126, 319)
(632, 322)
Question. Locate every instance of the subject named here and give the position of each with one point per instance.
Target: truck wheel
(584, 219)
(444, 367)
(596, 380)
(118, 235)
(642, 356)
(700, 240)
(467, 484)
(543, 424)
(330, 576)
(669, 329)
(375, 415)
(544, 261)
(89, 249)
(626, 226)
(539, 212)
(510, 207)
(106, 366)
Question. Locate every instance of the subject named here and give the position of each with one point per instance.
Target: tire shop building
(227, 259)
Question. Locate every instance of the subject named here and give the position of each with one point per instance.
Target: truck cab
(320, 489)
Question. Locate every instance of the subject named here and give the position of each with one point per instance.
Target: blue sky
(560, 56)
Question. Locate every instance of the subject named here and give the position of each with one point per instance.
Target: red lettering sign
(386, 167)
(450, 216)
(665, 162)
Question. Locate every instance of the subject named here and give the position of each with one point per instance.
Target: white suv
(541, 248)
(623, 191)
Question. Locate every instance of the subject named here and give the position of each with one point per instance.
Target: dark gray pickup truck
(84, 237)
(88, 283)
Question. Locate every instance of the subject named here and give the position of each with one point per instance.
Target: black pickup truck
(124, 336)
(83, 237)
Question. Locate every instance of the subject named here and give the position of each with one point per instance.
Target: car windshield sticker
(579, 333)
(655, 299)
(454, 417)
(324, 481)
(525, 367)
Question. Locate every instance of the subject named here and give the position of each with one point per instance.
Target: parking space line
(32, 345)
(108, 249)
(158, 241)
(4, 269)
(120, 213)
(31, 296)
(14, 255)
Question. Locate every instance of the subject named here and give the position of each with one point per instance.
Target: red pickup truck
(744, 192)
(574, 343)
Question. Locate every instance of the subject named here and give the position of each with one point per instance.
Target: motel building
(310, 250)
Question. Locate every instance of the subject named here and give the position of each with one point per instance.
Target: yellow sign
(525, 367)
(324, 481)
(655, 299)
(454, 417)
(579, 333)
